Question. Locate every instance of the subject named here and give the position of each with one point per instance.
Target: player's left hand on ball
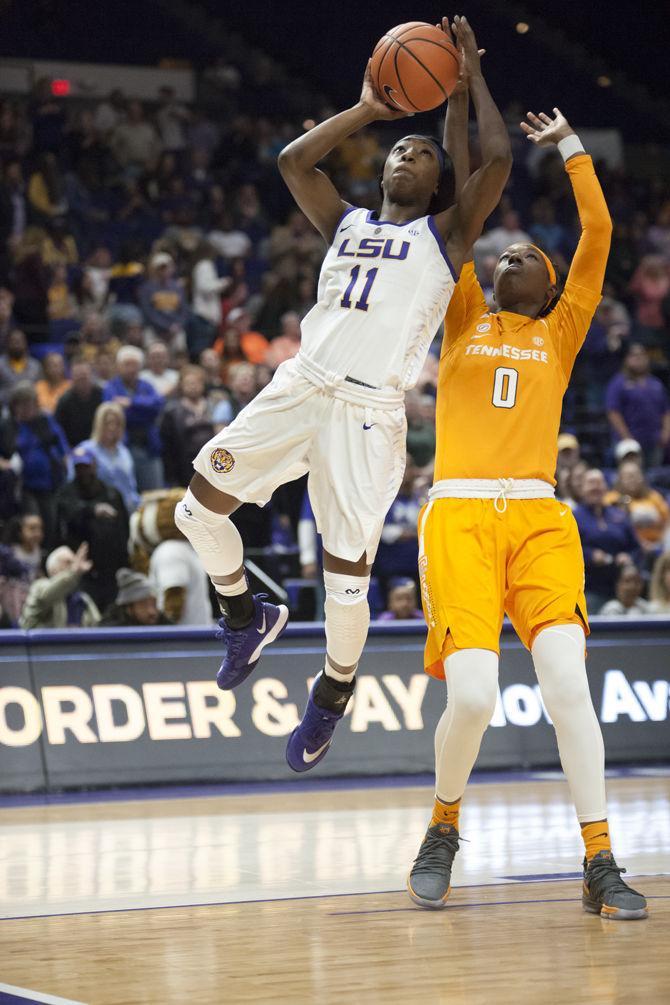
(466, 43)
(462, 82)
(373, 102)
(543, 130)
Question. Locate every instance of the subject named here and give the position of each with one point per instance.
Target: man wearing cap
(568, 451)
(638, 407)
(135, 604)
(90, 510)
(628, 450)
(163, 301)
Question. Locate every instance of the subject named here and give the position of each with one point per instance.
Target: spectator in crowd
(638, 406)
(648, 511)
(628, 450)
(659, 590)
(59, 246)
(25, 536)
(96, 277)
(125, 281)
(187, 423)
(207, 287)
(31, 282)
(163, 301)
(90, 510)
(650, 286)
(77, 406)
(172, 119)
(42, 447)
(569, 451)
(607, 537)
(14, 587)
(402, 603)
(629, 602)
(135, 604)
(53, 385)
(243, 387)
(658, 235)
(287, 344)
(253, 345)
(142, 406)
(398, 552)
(115, 464)
(16, 365)
(158, 372)
(181, 585)
(56, 600)
(46, 190)
(420, 433)
(7, 319)
(61, 304)
(135, 142)
(13, 202)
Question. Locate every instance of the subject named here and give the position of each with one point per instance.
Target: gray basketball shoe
(606, 894)
(429, 882)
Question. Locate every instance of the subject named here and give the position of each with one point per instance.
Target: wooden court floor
(297, 897)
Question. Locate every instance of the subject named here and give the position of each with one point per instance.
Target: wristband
(570, 145)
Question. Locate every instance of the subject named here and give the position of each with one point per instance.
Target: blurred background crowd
(153, 275)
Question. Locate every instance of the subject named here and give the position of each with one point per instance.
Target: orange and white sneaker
(429, 881)
(606, 894)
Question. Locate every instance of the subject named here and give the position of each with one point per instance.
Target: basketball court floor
(296, 894)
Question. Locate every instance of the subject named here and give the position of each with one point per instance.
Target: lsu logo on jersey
(222, 460)
(375, 247)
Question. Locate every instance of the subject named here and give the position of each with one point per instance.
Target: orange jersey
(503, 376)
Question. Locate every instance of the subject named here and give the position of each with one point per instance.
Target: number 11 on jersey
(362, 303)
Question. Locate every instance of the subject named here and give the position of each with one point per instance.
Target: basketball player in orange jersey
(337, 409)
(493, 539)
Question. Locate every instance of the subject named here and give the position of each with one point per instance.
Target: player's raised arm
(588, 265)
(462, 225)
(455, 137)
(310, 187)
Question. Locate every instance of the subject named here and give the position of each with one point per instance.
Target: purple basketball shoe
(245, 645)
(309, 742)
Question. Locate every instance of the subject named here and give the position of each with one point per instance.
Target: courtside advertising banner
(87, 708)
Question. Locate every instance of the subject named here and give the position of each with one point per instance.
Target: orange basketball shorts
(477, 564)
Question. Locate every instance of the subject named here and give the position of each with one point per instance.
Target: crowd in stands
(153, 275)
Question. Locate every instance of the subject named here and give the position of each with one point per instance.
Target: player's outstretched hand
(374, 103)
(466, 43)
(462, 82)
(543, 130)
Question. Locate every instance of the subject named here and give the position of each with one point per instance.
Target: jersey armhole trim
(350, 209)
(441, 245)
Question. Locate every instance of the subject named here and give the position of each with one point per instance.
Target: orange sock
(445, 813)
(596, 837)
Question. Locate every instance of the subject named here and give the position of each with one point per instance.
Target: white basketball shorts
(352, 446)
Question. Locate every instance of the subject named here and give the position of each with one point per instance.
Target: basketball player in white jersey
(336, 410)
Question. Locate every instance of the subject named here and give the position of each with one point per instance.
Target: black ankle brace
(333, 695)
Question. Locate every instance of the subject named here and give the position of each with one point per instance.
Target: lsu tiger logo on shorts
(222, 460)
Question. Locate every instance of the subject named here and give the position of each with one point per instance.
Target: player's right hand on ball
(374, 103)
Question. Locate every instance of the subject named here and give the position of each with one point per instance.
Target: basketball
(414, 67)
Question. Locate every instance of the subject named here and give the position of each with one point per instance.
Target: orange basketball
(414, 67)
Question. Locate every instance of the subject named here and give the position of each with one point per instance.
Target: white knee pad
(347, 617)
(214, 537)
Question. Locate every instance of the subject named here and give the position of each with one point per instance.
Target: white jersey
(384, 289)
